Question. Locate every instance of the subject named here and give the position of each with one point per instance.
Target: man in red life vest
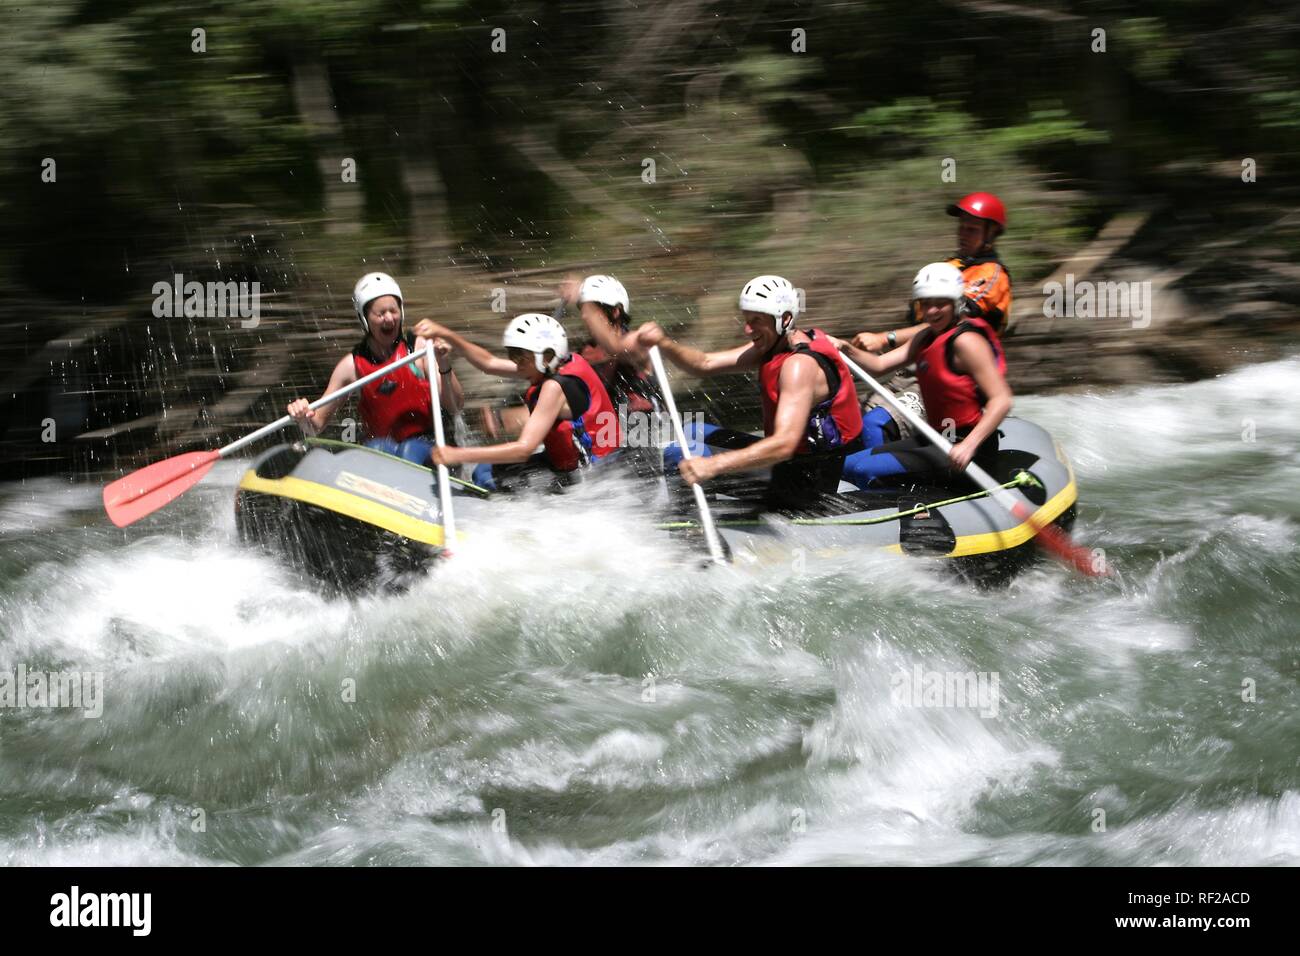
(396, 410)
(569, 410)
(962, 373)
(811, 417)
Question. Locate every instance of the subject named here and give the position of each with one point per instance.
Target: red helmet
(981, 206)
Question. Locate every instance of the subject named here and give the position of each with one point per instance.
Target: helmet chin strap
(782, 331)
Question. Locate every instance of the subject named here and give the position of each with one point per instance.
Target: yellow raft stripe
(991, 541)
(1052, 509)
(372, 512)
(344, 503)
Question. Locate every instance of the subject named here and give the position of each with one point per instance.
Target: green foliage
(771, 78)
(760, 152)
(919, 124)
(1153, 49)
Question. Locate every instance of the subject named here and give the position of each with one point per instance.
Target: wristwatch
(892, 339)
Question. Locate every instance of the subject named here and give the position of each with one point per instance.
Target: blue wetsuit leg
(416, 450)
(863, 468)
(696, 439)
(484, 478)
(873, 427)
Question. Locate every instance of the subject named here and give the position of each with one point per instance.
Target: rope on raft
(1021, 478)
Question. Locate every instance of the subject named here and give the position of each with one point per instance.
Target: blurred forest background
(806, 139)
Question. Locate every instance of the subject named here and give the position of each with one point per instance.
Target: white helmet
(536, 333)
(603, 289)
(774, 296)
(940, 280)
(369, 288)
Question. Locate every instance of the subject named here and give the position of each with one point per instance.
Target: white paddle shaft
(322, 401)
(978, 474)
(706, 516)
(444, 479)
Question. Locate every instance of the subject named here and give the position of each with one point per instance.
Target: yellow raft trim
(989, 542)
(426, 532)
(347, 504)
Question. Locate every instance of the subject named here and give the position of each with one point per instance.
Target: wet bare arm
(551, 406)
(615, 344)
(974, 355)
(314, 422)
(741, 358)
(879, 364)
(800, 378)
(450, 392)
(479, 357)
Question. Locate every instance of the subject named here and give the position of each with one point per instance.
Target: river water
(567, 691)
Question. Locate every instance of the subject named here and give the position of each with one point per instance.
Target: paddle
(444, 479)
(1051, 537)
(706, 517)
(144, 491)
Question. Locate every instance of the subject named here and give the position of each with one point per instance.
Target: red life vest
(952, 396)
(625, 384)
(592, 434)
(396, 406)
(834, 423)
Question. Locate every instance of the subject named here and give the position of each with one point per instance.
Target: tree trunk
(344, 201)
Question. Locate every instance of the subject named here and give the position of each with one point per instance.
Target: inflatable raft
(352, 516)
(348, 515)
(956, 524)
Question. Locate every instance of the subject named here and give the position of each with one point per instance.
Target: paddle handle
(701, 502)
(444, 479)
(334, 396)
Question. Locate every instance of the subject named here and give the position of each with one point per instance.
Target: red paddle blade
(143, 492)
(1052, 538)
(1087, 563)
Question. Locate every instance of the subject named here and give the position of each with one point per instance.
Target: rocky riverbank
(112, 388)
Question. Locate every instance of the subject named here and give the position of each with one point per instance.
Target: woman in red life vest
(396, 410)
(962, 374)
(811, 417)
(569, 410)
